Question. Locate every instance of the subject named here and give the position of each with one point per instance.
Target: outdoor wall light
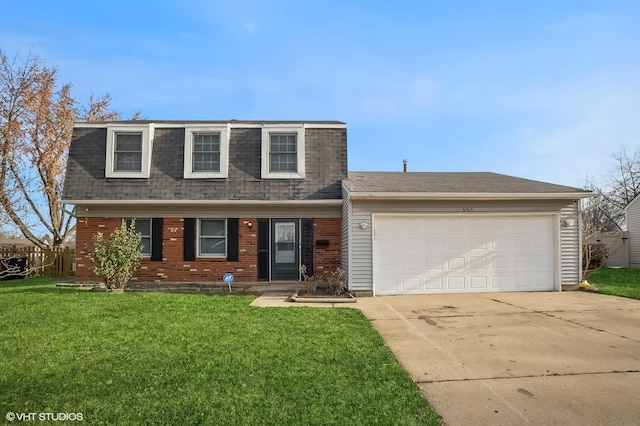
(249, 224)
(569, 222)
(364, 225)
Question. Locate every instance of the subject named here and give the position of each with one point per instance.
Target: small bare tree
(36, 124)
(618, 188)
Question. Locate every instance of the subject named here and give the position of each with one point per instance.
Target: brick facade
(329, 258)
(173, 268)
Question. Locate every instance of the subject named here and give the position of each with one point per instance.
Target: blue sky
(545, 90)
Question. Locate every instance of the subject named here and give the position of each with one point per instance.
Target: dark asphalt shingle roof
(326, 167)
(450, 182)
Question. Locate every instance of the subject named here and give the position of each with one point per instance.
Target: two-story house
(261, 198)
(257, 199)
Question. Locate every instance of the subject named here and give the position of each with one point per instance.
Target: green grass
(152, 358)
(623, 282)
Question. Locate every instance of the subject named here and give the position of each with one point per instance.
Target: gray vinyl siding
(346, 220)
(570, 245)
(361, 268)
(633, 228)
(361, 277)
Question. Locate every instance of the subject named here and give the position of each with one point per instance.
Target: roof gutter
(232, 124)
(468, 196)
(207, 202)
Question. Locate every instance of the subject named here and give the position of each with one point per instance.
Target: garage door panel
(455, 283)
(479, 243)
(502, 263)
(412, 243)
(478, 262)
(433, 244)
(500, 282)
(439, 255)
(500, 243)
(478, 282)
(456, 243)
(433, 283)
(434, 263)
(455, 263)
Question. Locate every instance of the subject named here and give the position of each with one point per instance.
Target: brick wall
(328, 258)
(173, 269)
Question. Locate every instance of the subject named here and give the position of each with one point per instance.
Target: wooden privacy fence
(52, 262)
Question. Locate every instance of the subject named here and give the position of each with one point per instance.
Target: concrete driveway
(568, 358)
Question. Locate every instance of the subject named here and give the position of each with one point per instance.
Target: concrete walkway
(569, 358)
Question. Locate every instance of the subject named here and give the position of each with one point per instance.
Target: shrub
(117, 256)
(309, 281)
(335, 278)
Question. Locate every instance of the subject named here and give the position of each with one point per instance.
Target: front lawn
(623, 282)
(152, 358)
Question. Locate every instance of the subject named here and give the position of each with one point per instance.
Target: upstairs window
(283, 149)
(128, 151)
(206, 152)
(283, 153)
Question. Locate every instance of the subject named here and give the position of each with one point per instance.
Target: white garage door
(463, 254)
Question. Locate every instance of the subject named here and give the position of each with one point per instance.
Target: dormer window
(129, 151)
(206, 152)
(283, 152)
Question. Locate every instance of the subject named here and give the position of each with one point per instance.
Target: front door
(285, 263)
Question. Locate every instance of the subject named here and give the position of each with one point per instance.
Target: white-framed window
(206, 152)
(129, 151)
(212, 238)
(143, 226)
(283, 149)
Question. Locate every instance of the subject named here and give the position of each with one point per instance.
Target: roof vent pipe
(404, 165)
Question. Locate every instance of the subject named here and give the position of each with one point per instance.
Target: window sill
(276, 175)
(205, 175)
(127, 175)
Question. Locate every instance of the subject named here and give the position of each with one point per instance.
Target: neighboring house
(254, 198)
(632, 218)
(259, 199)
(408, 233)
(15, 243)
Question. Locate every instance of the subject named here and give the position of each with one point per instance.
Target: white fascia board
(324, 126)
(233, 125)
(207, 202)
(466, 196)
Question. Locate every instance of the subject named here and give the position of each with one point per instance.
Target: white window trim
(124, 221)
(226, 239)
(223, 129)
(300, 149)
(147, 145)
